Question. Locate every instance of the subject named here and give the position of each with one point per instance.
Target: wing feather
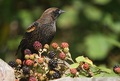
(26, 36)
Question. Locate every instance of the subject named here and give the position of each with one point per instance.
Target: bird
(42, 30)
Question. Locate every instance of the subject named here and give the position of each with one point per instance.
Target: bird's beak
(61, 11)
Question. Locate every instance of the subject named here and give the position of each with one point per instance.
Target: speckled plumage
(42, 30)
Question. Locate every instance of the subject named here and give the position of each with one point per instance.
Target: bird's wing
(27, 35)
(32, 27)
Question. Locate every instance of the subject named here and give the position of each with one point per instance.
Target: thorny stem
(40, 51)
(69, 57)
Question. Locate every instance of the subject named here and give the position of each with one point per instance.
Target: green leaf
(105, 69)
(97, 46)
(12, 44)
(68, 19)
(83, 59)
(113, 41)
(102, 2)
(75, 65)
(80, 59)
(114, 26)
(26, 18)
(92, 13)
(108, 20)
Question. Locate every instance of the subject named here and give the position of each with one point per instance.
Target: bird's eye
(56, 12)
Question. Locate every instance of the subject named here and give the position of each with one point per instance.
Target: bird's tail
(17, 50)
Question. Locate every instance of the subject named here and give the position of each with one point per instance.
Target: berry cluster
(40, 67)
(51, 64)
(82, 69)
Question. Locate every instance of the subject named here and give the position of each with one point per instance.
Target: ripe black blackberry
(12, 63)
(52, 63)
(56, 75)
(51, 54)
(26, 70)
(24, 79)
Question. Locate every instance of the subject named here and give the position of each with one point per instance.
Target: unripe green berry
(31, 57)
(46, 46)
(66, 50)
(27, 56)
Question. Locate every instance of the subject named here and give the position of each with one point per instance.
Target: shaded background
(91, 27)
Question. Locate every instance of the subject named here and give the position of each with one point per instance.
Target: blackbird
(42, 30)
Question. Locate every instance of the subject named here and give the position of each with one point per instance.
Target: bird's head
(51, 14)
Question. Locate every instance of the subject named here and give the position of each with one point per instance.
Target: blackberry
(52, 63)
(27, 51)
(26, 70)
(37, 45)
(12, 63)
(23, 79)
(56, 75)
(51, 54)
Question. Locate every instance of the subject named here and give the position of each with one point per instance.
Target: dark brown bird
(42, 30)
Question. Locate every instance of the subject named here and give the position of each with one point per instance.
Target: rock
(89, 79)
(6, 72)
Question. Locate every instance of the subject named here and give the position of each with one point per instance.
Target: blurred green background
(91, 27)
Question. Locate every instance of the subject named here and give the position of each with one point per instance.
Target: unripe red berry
(62, 55)
(86, 66)
(73, 71)
(116, 69)
(18, 61)
(40, 60)
(37, 45)
(16, 79)
(64, 45)
(55, 45)
(29, 62)
(31, 78)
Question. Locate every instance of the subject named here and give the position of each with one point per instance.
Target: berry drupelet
(51, 54)
(26, 70)
(52, 63)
